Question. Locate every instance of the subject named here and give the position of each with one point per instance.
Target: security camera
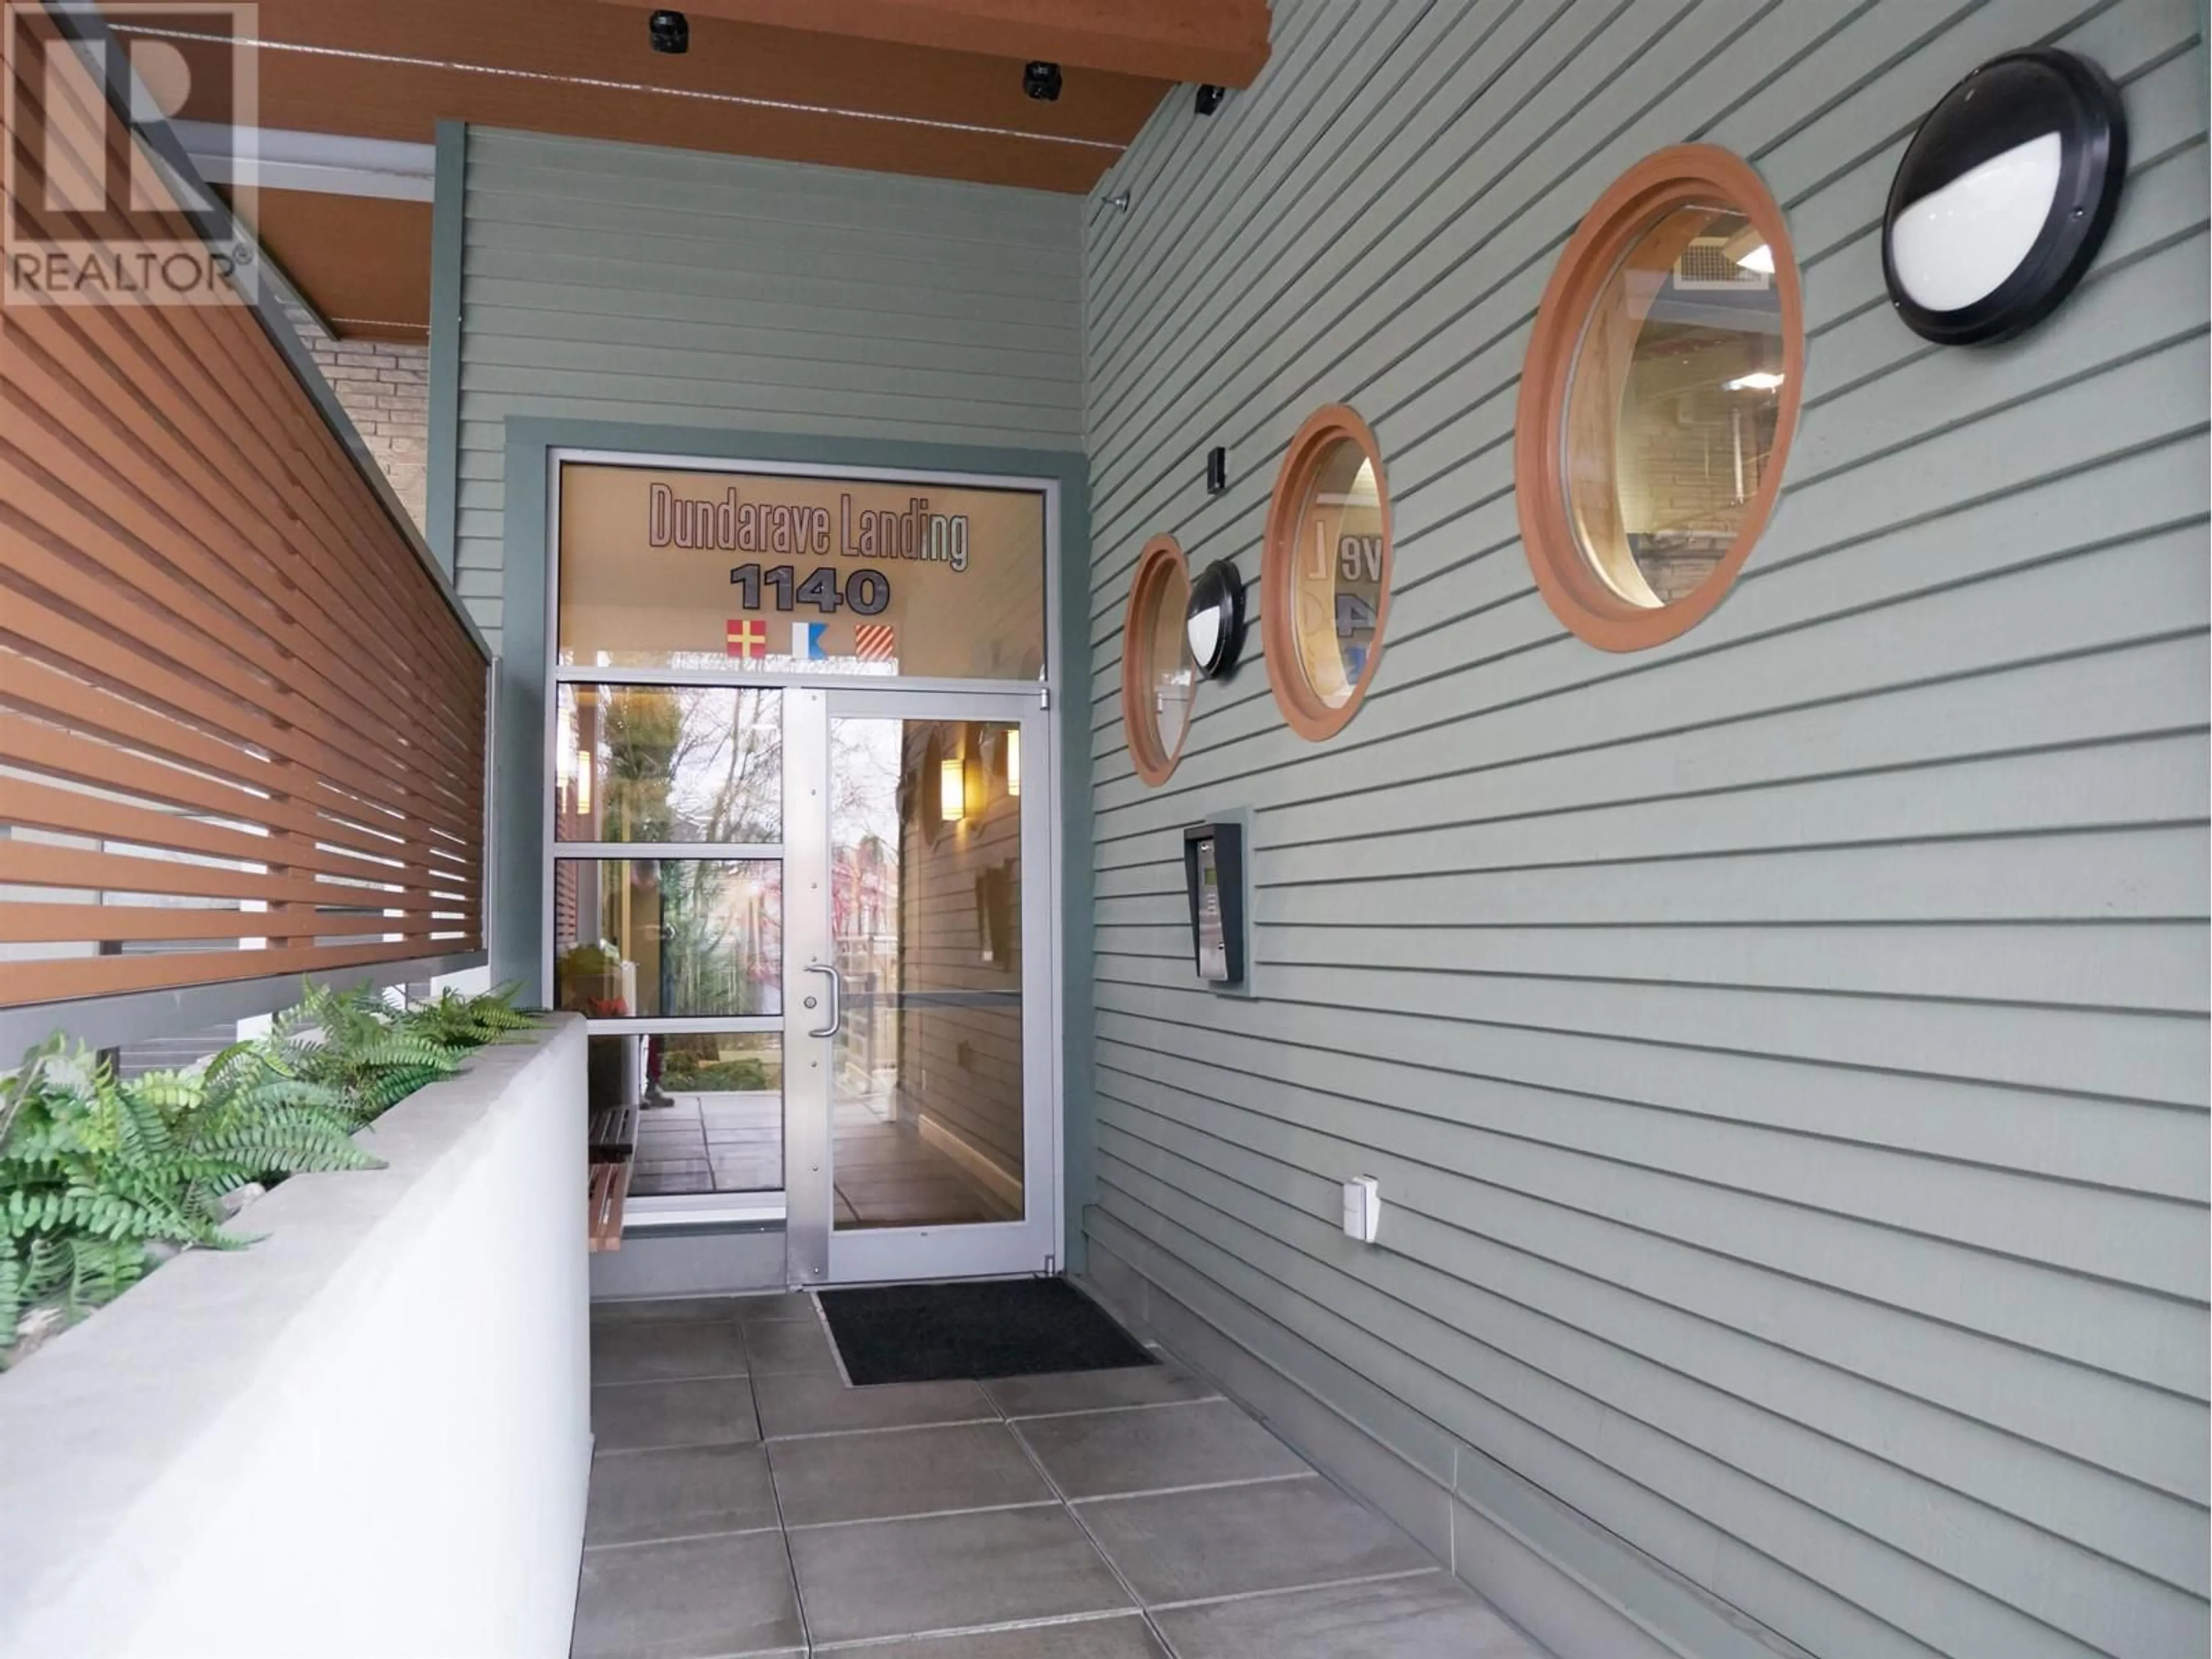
(671, 31)
(1210, 97)
(1040, 81)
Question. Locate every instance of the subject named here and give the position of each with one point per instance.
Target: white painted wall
(368, 1435)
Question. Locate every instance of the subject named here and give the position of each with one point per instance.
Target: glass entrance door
(799, 856)
(922, 1139)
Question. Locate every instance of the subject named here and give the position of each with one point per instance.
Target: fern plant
(99, 1175)
(96, 1171)
(460, 1022)
(352, 1044)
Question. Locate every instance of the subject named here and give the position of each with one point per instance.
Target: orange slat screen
(241, 730)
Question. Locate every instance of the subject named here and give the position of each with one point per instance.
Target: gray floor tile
(748, 1175)
(700, 1598)
(652, 1181)
(946, 1572)
(818, 1402)
(678, 1492)
(1090, 1391)
(1229, 1540)
(789, 1345)
(772, 1306)
(1432, 1617)
(1152, 1447)
(630, 1416)
(628, 1310)
(666, 1350)
(872, 1477)
(1123, 1636)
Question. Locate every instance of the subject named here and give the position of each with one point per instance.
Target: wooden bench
(612, 1134)
(609, 1187)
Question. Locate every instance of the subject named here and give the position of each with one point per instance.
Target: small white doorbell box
(1363, 1208)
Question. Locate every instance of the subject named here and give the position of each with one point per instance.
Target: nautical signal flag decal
(748, 636)
(875, 642)
(807, 641)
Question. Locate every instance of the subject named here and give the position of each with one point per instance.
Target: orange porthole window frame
(1684, 175)
(1304, 710)
(1161, 561)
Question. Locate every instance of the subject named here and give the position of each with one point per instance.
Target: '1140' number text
(865, 592)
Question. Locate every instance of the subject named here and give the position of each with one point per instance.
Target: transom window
(712, 571)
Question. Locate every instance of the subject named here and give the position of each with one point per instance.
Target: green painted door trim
(447, 204)
(519, 759)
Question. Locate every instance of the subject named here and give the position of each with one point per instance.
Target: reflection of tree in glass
(641, 730)
(864, 781)
(695, 764)
(722, 942)
(692, 764)
(864, 826)
(869, 786)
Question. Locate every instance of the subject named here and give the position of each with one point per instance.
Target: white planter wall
(367, 1435)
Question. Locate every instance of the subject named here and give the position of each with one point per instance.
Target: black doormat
(981, 1328)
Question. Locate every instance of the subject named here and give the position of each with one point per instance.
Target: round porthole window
(1657, 401)
(1156, 673)
(1325, 581)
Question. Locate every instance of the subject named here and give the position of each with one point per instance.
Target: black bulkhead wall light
(669, 31)
(1213, 620)
(2004, 195)
(1042, 81)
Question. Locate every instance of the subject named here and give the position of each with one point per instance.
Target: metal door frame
(816, 1251)
(742, 1209)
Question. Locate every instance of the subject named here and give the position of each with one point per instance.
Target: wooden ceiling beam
(1221, 41)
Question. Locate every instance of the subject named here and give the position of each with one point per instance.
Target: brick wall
(386, 388)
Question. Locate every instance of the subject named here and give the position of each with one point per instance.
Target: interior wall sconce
(1012, 743)
(951, 789)
(1213, 620)
(583, 783)
(2004, 195)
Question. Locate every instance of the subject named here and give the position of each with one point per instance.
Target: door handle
(836, 998)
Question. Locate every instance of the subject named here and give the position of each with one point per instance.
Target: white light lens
(1958, 244)
(1203, 630)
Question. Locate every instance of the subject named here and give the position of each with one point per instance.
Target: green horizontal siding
(617, 283)
(1783, 1052)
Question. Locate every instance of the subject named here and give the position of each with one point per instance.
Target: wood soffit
(929, 88)
(364, 262)
(1223, 41)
